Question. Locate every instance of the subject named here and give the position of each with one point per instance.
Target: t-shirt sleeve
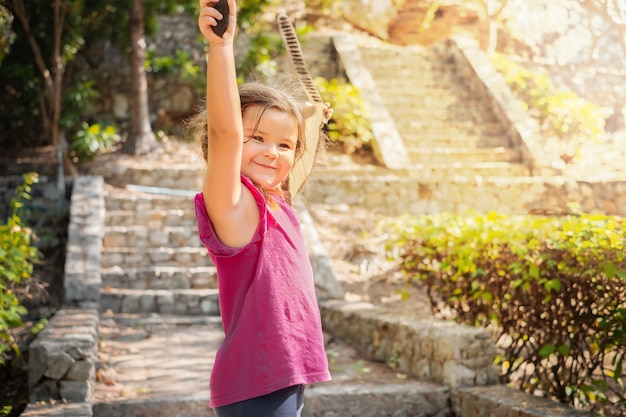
(207, 234)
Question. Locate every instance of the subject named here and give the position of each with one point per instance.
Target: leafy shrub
(17, 255)
(181, 64)
(7, 36)
(560, 113)
(78, 96)
(92, 140)
(323, 7)
(350, 124)
(552, 289)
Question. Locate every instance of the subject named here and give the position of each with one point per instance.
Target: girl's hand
(328, 112)
(209, 17)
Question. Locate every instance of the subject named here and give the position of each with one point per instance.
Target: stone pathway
(157, 342)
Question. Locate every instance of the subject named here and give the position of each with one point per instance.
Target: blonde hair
(266, 97)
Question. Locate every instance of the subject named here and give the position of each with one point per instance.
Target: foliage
(32, 93)
(553, 290)
(7, 36)
(324, 7)
(264, 43)
(350, 124)
(181, 64)
(562, 114)
(258, 61)
(92, 140)
(17, 255)
(84, 25)
(78, 97)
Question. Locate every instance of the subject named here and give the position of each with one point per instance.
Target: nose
(271, 151)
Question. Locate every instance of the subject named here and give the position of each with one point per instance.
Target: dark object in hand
(222, 7)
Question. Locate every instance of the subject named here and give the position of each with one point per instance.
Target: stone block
(75, 391)
(57, 364)
(498, 400)
(58, 410)
(82, 370)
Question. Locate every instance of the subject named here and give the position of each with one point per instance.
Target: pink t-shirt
(271, 318)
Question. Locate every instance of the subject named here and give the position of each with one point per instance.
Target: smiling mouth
(267, 166)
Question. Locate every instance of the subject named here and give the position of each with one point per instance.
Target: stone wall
(498, 400)
(63, 357)
(443, 352)
(396, 194)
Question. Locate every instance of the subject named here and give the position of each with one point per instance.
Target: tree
(141, 139)
(50, 71)
(493, 18)
(35, 101)
(36, 80)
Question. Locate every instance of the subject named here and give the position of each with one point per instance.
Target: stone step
(434, 101)
(412, 128)
(418, 65)
(418, 139)
(424, 155)
(166, 256)
(145, 237)
(160, 277)
(122, 174)
(394, 76)
(159, 365)
(189, 302)
(124, 199)
(152, 218)
(442, 170)
(398, 193)
(421, 97)
(427, 171)
(411, 109)
(450, 126)
(323, 400)
(427, 95)
(428, 64)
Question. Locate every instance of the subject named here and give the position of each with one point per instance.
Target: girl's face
(269, 146)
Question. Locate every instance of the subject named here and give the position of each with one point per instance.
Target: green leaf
(546, 351)
(533, 271)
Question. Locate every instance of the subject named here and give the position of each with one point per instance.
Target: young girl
(273, 342)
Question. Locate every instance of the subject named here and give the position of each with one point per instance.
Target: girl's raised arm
(230, 206)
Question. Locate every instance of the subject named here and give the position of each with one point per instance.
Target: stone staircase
(155, 299)
(446, 129)
(152, 260)
(160, 327)
(450, 136)
(442, 120)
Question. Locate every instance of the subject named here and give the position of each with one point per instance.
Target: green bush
(350, 125)
(181, 64)
(561, 113)
(92, 140)
(17, 255)
(552, 289)
(7, 36)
